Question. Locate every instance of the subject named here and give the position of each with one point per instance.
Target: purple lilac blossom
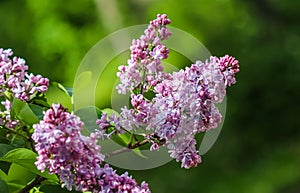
(15, 78)
(185, 101)
(185, 106)
(229, 67)
(138, 115)
(129, 119)
(144, 69)
(75, 158)
(105, 123)
(5, 117)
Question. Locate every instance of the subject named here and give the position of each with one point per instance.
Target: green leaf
(4, 148)
(55, 188)
(122, 139)
(22, 111)
(3, 186)
(149, 95)
(17, 142)
(69, 90)
(109, 112)
(5, 166)
(125, 138)
(62, 88)
(58, 94)
(89, 116)
(37, 110)
(40, 100)
(26, 158)
(3, 138)
(18, 177)
(138, 152)
(15, 187)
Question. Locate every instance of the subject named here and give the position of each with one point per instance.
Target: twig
(127, 149)
(37, 181)
(15, 132)
(119, 151)
(139, 144)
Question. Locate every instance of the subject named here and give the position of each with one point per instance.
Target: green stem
(129, 148)
(15, 132)
(37, 181)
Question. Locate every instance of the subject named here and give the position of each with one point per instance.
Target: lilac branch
(15, 132)
(37, 181)
(128, 148)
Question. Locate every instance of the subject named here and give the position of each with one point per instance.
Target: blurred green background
(258, 150)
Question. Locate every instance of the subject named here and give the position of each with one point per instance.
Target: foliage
(261, 122)
(182, 104)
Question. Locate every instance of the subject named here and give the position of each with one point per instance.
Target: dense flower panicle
(61, 147)
(184, 105)
(144, 69)
(15, 78)
(75, 158)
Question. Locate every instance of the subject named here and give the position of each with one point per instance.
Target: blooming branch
(75, 158)
(184, 103)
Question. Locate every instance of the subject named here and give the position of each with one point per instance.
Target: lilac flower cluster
(75, 158)
(184, 102)
(185, 105)
(15, 78)
(144, 69)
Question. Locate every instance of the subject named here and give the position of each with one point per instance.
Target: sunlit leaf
(37, 110)
(25, 158)
(69, 90)
(22, 111)
(124, 140)
(109, 112)
(5, 166)
(19, 175)
(138, 152)
(58, 94)
(15, 187)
